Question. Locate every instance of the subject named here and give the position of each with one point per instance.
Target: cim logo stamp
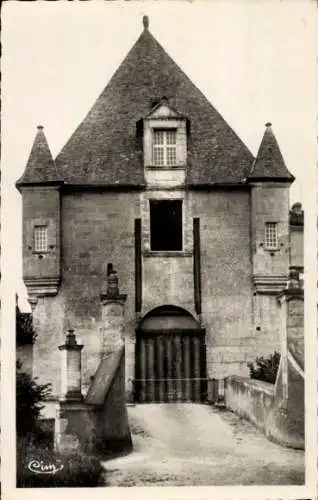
(41, 467)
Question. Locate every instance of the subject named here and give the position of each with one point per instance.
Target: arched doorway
(170, 357)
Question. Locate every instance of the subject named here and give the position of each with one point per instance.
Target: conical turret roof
(269, 164)
(40, 167)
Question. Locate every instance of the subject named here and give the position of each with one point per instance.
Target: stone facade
(97, 228)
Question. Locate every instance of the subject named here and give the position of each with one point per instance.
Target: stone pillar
(283, 343)
(113, 322)
(71, 368)
(293, 290)
(130, 369)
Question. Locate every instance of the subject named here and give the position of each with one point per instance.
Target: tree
(25, 333)
(29, 397)
(266, 368)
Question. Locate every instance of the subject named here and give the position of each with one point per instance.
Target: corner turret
(270, 181)
(40, 190)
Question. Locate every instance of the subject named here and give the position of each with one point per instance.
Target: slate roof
(40, 166)
(269, 164)
(105, 149)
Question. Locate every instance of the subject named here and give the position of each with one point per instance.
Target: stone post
(293, 289)
(71, 368)
(284, 351)
(113, 325)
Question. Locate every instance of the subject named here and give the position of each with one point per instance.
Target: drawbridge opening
(170, 358)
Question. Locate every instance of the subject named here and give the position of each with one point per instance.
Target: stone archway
(170, 357)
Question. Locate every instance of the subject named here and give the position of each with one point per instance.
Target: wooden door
(170, 366)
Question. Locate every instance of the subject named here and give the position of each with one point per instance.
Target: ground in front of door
(196, 444)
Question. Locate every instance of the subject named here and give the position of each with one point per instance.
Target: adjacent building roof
(269, 164)
(296, 215)
(105, 149)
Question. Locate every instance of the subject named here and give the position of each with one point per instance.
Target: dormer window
(164, 151)
(164, 132)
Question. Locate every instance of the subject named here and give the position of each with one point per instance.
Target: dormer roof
(164, 110)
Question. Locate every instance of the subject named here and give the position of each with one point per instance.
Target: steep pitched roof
(105, 148)
(40, 166)
(269, 164)
(104, 151)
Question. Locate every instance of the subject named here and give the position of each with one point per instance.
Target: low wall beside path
(262, 404)
(250, 399)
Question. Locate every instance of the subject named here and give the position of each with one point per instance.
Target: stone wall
(270, 204)
(296, 226)
(297, 246)
(250, 399)
(41, 206)
(226, 269)
(49, 318)
(295, 328)
(262, 403)
(97, 228)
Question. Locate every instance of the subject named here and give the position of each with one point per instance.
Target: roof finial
(268, 124)
(145, 21)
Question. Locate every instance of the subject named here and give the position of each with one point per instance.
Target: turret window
(40, 239)
(164, 147)
(271, 237)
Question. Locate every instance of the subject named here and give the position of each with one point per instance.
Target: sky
(255, 62)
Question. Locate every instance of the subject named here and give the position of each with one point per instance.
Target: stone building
(156, 186)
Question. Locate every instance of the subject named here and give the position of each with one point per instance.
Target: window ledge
(271, 249)
(167, 253)
(165, 167)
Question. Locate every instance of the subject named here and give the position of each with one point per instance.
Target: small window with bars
(271, 237)
(164, 151)
(40, 239)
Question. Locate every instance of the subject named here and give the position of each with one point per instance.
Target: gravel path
(196, 444)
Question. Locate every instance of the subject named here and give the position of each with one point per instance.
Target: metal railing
(170, 389)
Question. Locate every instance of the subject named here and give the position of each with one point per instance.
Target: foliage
(29, 397)
(34, 448)
(265, 369)
(73, 469)
(25, 333)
